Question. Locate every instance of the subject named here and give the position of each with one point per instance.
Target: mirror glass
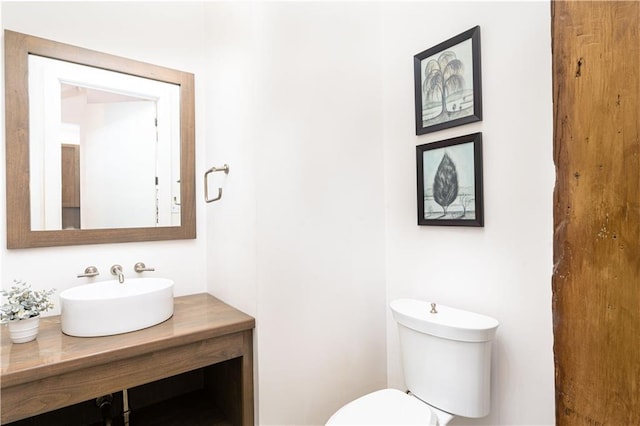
(104, 148)
(100, 148)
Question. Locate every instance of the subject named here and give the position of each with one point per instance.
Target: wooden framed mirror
(81, 166)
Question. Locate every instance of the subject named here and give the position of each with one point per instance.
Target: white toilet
(446, 356)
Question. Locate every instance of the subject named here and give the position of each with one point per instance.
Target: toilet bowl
(446, 359)
(389, 407)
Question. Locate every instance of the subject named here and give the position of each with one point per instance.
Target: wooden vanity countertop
(196, 317)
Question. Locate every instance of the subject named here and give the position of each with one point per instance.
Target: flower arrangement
(23, 302)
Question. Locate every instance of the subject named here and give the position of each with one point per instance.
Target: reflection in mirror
(100, 149)
(119, 145)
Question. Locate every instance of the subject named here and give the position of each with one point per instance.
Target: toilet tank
(446, 356)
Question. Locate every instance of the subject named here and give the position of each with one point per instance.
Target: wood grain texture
(56, 370)
(19, 234)
(596, 281)
(70, 155)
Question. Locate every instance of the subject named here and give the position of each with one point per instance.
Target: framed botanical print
(447, 83)
(449, 176)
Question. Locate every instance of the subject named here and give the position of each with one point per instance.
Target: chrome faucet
(117, 270)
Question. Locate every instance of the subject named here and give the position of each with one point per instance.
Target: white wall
(305, 265)
(296, 105)
(168, 34)
(320, 211)
(311, 105)
(504, 269)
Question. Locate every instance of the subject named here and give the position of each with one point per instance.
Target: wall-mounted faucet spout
(117, 270)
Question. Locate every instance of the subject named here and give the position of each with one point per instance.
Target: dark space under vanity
(195, 368)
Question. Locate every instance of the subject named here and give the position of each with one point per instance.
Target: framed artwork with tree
(449, 174)
(448, 84)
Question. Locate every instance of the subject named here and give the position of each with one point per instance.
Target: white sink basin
(108, 307)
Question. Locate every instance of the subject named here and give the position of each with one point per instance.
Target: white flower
(23, 303)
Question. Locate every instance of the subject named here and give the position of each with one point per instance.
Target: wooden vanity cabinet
(204, 335)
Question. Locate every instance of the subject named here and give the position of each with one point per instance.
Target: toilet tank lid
(385, 407)
(448, 323)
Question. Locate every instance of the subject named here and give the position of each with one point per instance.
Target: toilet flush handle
(433, 309)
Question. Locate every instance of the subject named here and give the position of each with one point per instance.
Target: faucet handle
(89, 271)
(141, 267)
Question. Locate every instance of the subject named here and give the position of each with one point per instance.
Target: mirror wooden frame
(19, 234)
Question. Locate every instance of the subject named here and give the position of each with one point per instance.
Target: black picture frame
(449, 177)
(442, 75)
